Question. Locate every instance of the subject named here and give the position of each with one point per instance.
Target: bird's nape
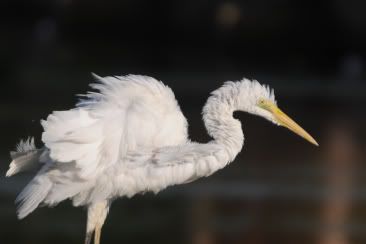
(284, 120)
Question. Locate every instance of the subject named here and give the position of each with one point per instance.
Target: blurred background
(280, 189)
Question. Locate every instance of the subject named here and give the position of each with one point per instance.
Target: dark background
(280, 189)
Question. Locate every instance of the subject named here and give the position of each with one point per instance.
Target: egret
(129, 136)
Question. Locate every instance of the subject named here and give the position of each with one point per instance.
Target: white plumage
(131, 137)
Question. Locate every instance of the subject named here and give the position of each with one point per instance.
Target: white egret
(131, 137)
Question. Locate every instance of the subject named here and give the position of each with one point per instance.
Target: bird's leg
(97, 213)
(98, 230)
(88, 237)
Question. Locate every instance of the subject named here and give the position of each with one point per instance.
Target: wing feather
(127, 113)
(155, 170)
(85, 145)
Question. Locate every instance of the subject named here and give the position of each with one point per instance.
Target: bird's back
(151, 114)
(127, 114)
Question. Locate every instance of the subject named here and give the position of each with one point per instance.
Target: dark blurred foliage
(279, 190)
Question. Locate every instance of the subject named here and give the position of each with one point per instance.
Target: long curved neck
(220, 124)
(183, 164)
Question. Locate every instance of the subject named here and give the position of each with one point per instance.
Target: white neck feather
(218, 118)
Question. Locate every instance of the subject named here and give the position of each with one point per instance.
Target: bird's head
(260, 100)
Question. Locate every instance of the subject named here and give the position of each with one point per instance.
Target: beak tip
(315, 143)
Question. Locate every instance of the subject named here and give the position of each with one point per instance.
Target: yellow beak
(286, 121)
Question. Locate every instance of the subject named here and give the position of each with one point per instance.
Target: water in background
(280, 189)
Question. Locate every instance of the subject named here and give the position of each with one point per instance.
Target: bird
(129, 136)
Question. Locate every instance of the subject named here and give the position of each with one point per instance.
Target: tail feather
(32, 195)
(24, 158)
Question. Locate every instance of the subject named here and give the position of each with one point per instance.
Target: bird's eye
(262, 103)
